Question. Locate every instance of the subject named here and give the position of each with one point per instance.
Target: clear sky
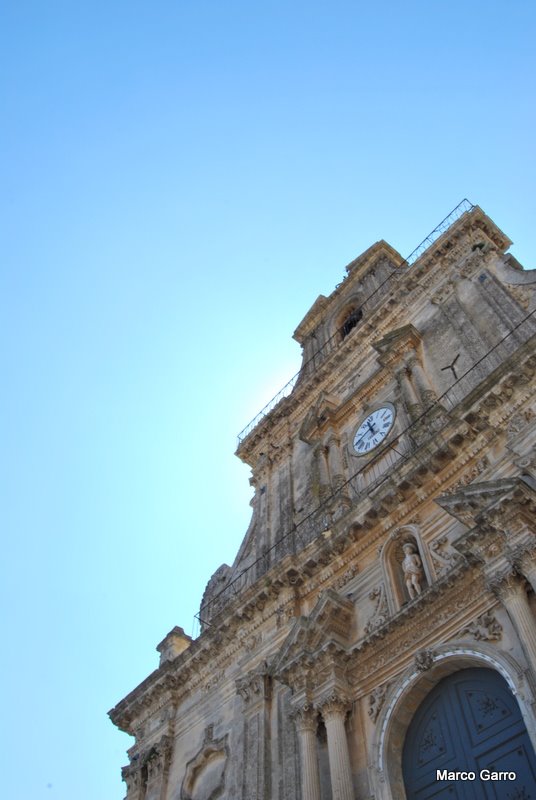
(179, 181)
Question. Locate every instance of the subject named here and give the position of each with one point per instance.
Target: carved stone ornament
(350, 573)
(205, 773)
(132, 777)
(444, 556)
(505, 584)
(215, 678)
(443, 293)
(148, 766)
(424, 660)
(305, 717)
(485, 628)
(470, 503)
(522, 557)
(471, 263)
(158, 759)
(255, 684)
(519, 422)
(412, 569)
(334, 704)
(380, 613)
(214, 597)
(376, 701)
(471, 475)
(284, 614)
(527, 461)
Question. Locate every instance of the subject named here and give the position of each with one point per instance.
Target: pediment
(469, 504)
(310, 319)
(397, 343)
(330, 621)
(381, 249)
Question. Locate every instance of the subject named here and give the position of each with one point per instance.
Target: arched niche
(413, 686)
(392, 559)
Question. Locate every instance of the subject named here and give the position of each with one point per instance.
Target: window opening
(351, 321)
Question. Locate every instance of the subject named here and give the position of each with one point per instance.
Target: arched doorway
(468, 723)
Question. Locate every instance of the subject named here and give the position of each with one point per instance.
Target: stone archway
(410, 690)
(467, 730)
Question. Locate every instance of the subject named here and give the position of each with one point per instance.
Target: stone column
(420, 381)
(510, 589)
(324, 487)
(408, 394)
(305, 719)
(335, 462)
(334, 712)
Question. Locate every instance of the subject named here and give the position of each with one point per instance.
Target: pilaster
(407, 392)
(255, 688)
(420, 380)
(158, 763)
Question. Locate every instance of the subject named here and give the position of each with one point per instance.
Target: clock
(374, 429)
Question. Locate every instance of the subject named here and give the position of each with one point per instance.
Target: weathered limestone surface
(307, 673)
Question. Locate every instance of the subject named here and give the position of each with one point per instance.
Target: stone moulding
(213, 755)
(376, 700)
(409, 688)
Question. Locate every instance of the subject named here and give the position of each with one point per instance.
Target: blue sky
(180, 181)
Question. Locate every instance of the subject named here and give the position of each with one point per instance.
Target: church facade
(376, 634)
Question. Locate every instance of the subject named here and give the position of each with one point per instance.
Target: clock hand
(361, 439)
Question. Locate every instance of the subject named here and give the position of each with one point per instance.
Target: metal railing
(444, 225)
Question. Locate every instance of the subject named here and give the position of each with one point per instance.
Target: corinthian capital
(411, 359)
(132, 777)
(305, 717)
(506, 585)
(334, 704)
(158, 758)
(523, 556)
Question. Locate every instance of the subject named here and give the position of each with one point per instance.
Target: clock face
(374, 429)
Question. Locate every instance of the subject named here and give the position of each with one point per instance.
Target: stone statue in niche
(412, 569)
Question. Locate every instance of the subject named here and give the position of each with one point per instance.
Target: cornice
(474, 503)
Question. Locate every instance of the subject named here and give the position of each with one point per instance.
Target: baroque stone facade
(392, 541)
